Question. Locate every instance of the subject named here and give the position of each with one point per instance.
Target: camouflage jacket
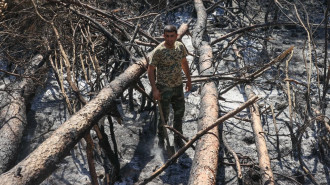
(168, 64)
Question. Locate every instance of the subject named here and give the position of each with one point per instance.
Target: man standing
(164, 72)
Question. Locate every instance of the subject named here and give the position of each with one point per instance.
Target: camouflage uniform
(169, 82)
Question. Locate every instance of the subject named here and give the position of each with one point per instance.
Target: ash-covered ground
(139, 153)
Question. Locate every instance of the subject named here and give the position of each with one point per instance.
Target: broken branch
(197, 136)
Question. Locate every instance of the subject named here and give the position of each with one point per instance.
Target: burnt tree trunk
(259, 137)
(42, 162)
(205, 161)
(13, 116)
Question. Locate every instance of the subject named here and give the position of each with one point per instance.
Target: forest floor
(139, 153)
(138, 147)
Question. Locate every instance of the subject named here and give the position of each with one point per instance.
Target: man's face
(170, 38)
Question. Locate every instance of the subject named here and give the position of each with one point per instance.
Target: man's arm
(185, 68)
(152, 80)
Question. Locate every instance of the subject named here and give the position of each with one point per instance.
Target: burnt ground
(139, 153)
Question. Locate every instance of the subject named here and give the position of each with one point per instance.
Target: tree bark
(205, 163)
(183, 30)
(259, 136)
(42, 161)
(201, 133)
(13, 122)
(13, 117)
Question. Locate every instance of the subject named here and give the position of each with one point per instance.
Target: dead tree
(200, 133)
(13, 122)
(42, 161)
(259, 137)
(205, 161)
(13, 116)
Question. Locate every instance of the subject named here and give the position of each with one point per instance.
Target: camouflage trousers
(171, 96)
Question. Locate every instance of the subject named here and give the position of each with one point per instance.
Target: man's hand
(156, 94)
(188, 86)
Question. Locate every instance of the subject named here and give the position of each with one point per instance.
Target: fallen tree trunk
(13, 116)
(205, 163)
(197, 136)
(182, 31)
(13, 122)
(259, 137)
(42, 161)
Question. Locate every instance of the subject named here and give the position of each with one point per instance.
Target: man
(167, 62)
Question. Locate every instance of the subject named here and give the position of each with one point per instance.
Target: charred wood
(266, 172)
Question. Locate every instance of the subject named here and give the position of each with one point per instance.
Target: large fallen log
(183, 30)
(259, 137)
(13, 122)
(196, 137)
(42, 162)
(205, 163)
(13, 116)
